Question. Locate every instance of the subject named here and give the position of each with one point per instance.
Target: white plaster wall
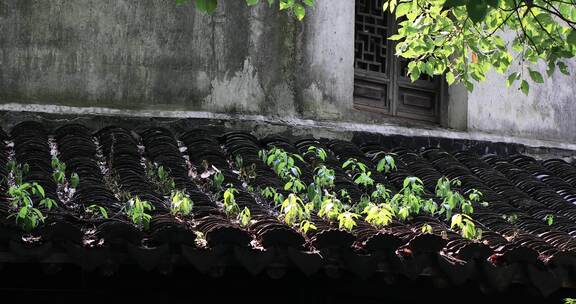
(548, 112)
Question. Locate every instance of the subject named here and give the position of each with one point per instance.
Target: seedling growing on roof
(359, 172)
(379, 215)
(427, 229)
(317, 154)
(467, 227)
(347, 220)
(180, 204)
(167, 183)
(137, 211)
(294, 210)
(549, 218)
(247, 173)
(306, 226)
(330, 208)
(271, 193)
(218, 180)
(386, 164)
(231, 208)
(17, 171)
(21, 199)
(97, 211)
(74, 180)
(245, 218)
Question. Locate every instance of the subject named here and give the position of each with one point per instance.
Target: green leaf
(536, 76)
(571, 38)
(450, 78)
(477, 10)
(512, 78)
(207, 6)
(525, 87)
(299, 11)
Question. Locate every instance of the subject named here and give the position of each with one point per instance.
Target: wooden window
(381, 83)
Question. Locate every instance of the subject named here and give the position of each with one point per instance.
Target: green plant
(464, 39)
(218, 180)
(409, 202)
(549, 219)
(167, 183)
(271, 193)
(294, 210)
(569, 301)
(306, 226)
(17, 171)
(453, 200)
(359, 172)
(97, 210)
(21, 199)
(347, 220)
(247, 173)
(180, 204)
(427, 229)
(330, 208)
(137, 211)
(381, 194)
(386, 164)
(379, 215)
(511, 218)
(245, 218)
(467, 227)
(74, 180)
(231, 208)
(59, 170)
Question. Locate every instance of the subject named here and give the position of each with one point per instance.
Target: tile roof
(111, 161)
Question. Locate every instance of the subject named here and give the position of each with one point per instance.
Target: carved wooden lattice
(381, 83)
(371, 45)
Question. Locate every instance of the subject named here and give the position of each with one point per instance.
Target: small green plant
(452, 200)
(245, 218)
(511, 218)
(180, 204)
(294, 210)
(17, 171)
(137, 211)
(97, 211)
(379, 215)
(59, 173)
(409, 202)
(231, 208)
(271, 194)
(358, 171)
(218, 181)
(59, 170)
(74, 180)
(549, 219)
(386, 164)
(330, 208)
(306, 226)
(467, 227)
(167, 183)
(569, 301)
(27, 216)
(247, 173)
(317, 152)
(427, 229)
(282, 162)
(347, 220)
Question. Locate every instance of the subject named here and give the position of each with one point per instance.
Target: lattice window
(381, 83)
(371, 45)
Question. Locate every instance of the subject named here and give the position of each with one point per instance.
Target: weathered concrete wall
(152, 54)
(548, 112)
